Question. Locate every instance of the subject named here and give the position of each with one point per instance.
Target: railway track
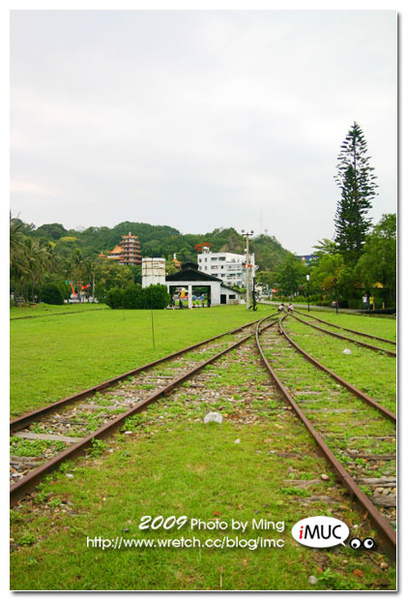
(360, 333)
(43, 439)
(355, 433)
(351, 339)
(362, 395)
(358, 439)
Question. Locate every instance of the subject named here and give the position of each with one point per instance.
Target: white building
(227, 266)
(195, 281)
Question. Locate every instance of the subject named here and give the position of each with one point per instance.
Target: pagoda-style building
(131, 253)
(115, 254)
(127, 253)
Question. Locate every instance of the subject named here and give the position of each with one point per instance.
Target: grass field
(173, 464)
(65, 351)
(198, 472)
(373, 373)
(46, 310)
(382, 326)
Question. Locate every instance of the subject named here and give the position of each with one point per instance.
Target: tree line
(52, 254)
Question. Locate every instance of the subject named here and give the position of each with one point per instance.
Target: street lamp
(308, 297)
(247, 235)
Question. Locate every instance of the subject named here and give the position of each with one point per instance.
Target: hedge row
(134, 296)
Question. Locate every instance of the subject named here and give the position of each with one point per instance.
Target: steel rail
(387, 413)
(24, 420)
(26, 484)
(342, 337)
(368, 335)
(380, 522)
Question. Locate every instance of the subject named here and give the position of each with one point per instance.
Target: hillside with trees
(52, 253)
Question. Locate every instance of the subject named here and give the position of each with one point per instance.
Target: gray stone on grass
(213, 417)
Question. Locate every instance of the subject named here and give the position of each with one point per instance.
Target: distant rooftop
(305, 257)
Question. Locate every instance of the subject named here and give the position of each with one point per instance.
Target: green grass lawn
(52, 358)
(371, 372)
(38, 310)
(198, 471)
(173, 464)
(381, 326)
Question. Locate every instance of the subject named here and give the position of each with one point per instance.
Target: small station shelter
(197, 282)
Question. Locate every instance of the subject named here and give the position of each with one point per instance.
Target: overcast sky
(199, 119)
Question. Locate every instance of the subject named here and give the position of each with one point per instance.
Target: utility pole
(308, 297)
(247, 235)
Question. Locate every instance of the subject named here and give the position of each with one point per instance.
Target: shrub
(66, 290)
(355, 304)
(51, 294)
(114, 298)
(135, 297)
(156, 296)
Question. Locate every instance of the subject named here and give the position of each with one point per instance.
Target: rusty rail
(387, 413)
(26, 484)
(22, 421)
(368, 335)
(342, 337)
(380, 522)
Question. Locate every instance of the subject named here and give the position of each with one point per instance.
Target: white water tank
(153, 271)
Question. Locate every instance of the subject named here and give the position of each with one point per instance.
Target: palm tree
(18, 262)
(52, 257)
(37, 260)
(16, 238)
(90, 266)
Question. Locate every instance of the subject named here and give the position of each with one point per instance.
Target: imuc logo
(320, 532)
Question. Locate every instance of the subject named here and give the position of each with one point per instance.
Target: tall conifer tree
(356, 181)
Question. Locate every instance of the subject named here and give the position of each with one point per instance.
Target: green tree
(37, 262)
(18, 258)
(80, 264)
(377, 265)
(50, 231)
(357, 184)
(327, 273)
(323, 247)
(290, 275)
(110, 275)
(16, 239)
(90, 264)
(53, 258)
(266, 279)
